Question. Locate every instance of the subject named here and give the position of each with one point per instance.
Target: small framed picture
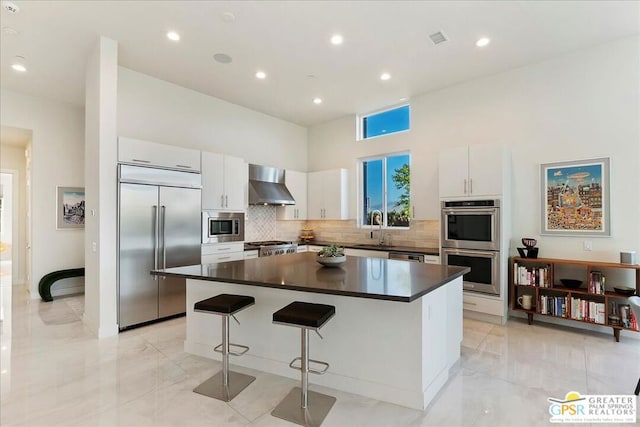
(575, 198)
(70, 207)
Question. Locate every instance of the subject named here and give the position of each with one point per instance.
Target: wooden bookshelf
(540, 278)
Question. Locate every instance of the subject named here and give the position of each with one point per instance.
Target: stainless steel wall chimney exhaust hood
(266, 186)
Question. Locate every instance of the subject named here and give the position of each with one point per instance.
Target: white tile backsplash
(260, 223)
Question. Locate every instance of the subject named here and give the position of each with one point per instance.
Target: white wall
(159, 111)
(577, 106)
(57, 160)
(101, 82)
(13, 160)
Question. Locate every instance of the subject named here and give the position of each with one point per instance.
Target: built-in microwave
(222, 227)
(471, 224)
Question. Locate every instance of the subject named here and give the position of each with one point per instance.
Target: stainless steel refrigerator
(158, 227)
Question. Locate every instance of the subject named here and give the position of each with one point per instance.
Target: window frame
(361, 196)
(362, 117)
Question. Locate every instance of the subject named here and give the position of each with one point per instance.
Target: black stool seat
(224, 303)
(304, 314)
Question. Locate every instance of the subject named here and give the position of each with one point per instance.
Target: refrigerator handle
(155, 240)
(164, 246)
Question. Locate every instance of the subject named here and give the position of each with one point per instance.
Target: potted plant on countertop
(331, 256)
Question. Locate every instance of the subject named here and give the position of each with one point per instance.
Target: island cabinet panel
(373, 346)
(472, 171)
(224, 181)
(394, 337)
(434, 346)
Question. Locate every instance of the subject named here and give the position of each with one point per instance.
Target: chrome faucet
(380, 231)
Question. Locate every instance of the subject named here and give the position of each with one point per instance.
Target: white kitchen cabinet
(303, 248)
(147, 153)
(222, 252)
(224, 181)
(328, 194)
(472, 171)
(366, 253)
(296, 182)
(251, 254)
(431, 259)
(314, 248)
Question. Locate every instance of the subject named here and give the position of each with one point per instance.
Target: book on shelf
(596, 283)
(531, 276)
(588, 311)
(554, 306)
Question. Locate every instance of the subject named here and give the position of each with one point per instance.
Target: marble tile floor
(55, 373)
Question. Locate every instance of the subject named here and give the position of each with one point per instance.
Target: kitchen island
(395, 335)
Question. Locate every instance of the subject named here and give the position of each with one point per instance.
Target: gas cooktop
(274, 247)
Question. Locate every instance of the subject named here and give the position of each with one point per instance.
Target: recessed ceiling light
(317, 101)
(228, 17)
(337, 39)
(18, 64)
(261, 75)
(222, 58)
(385, 76)
(482, 42)
(173, 36)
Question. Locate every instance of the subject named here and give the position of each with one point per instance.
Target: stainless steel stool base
(290, 408)
(214, 387)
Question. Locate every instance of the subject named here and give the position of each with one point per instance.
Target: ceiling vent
(10, 7)
(438, 37)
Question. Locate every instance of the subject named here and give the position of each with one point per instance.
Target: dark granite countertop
(361, 277)
(371, 247)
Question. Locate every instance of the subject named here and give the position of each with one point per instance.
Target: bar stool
(301, 406)
(225, 385)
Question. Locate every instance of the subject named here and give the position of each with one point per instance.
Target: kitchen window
(385, 122)
(385, 190)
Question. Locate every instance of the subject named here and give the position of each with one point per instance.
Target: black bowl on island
(571, 283)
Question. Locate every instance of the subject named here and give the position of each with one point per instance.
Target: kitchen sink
(371, 246)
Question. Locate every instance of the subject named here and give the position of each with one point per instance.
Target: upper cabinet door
(315, 195)
(472, 171)
(212, 181)
(146, 153)
(224, 182)
(296, 183)
(327, 196)
(453, 171)
(335, 194)
(236, 179)
(486, 170)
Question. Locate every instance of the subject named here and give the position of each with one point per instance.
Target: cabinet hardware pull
(224, 257)
(465, 186)
(226, 201)
(141, 161)
(413, 212)
(183, 166)
(469, 303)
(224, 249)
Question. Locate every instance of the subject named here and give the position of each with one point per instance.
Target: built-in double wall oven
(471, 238)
